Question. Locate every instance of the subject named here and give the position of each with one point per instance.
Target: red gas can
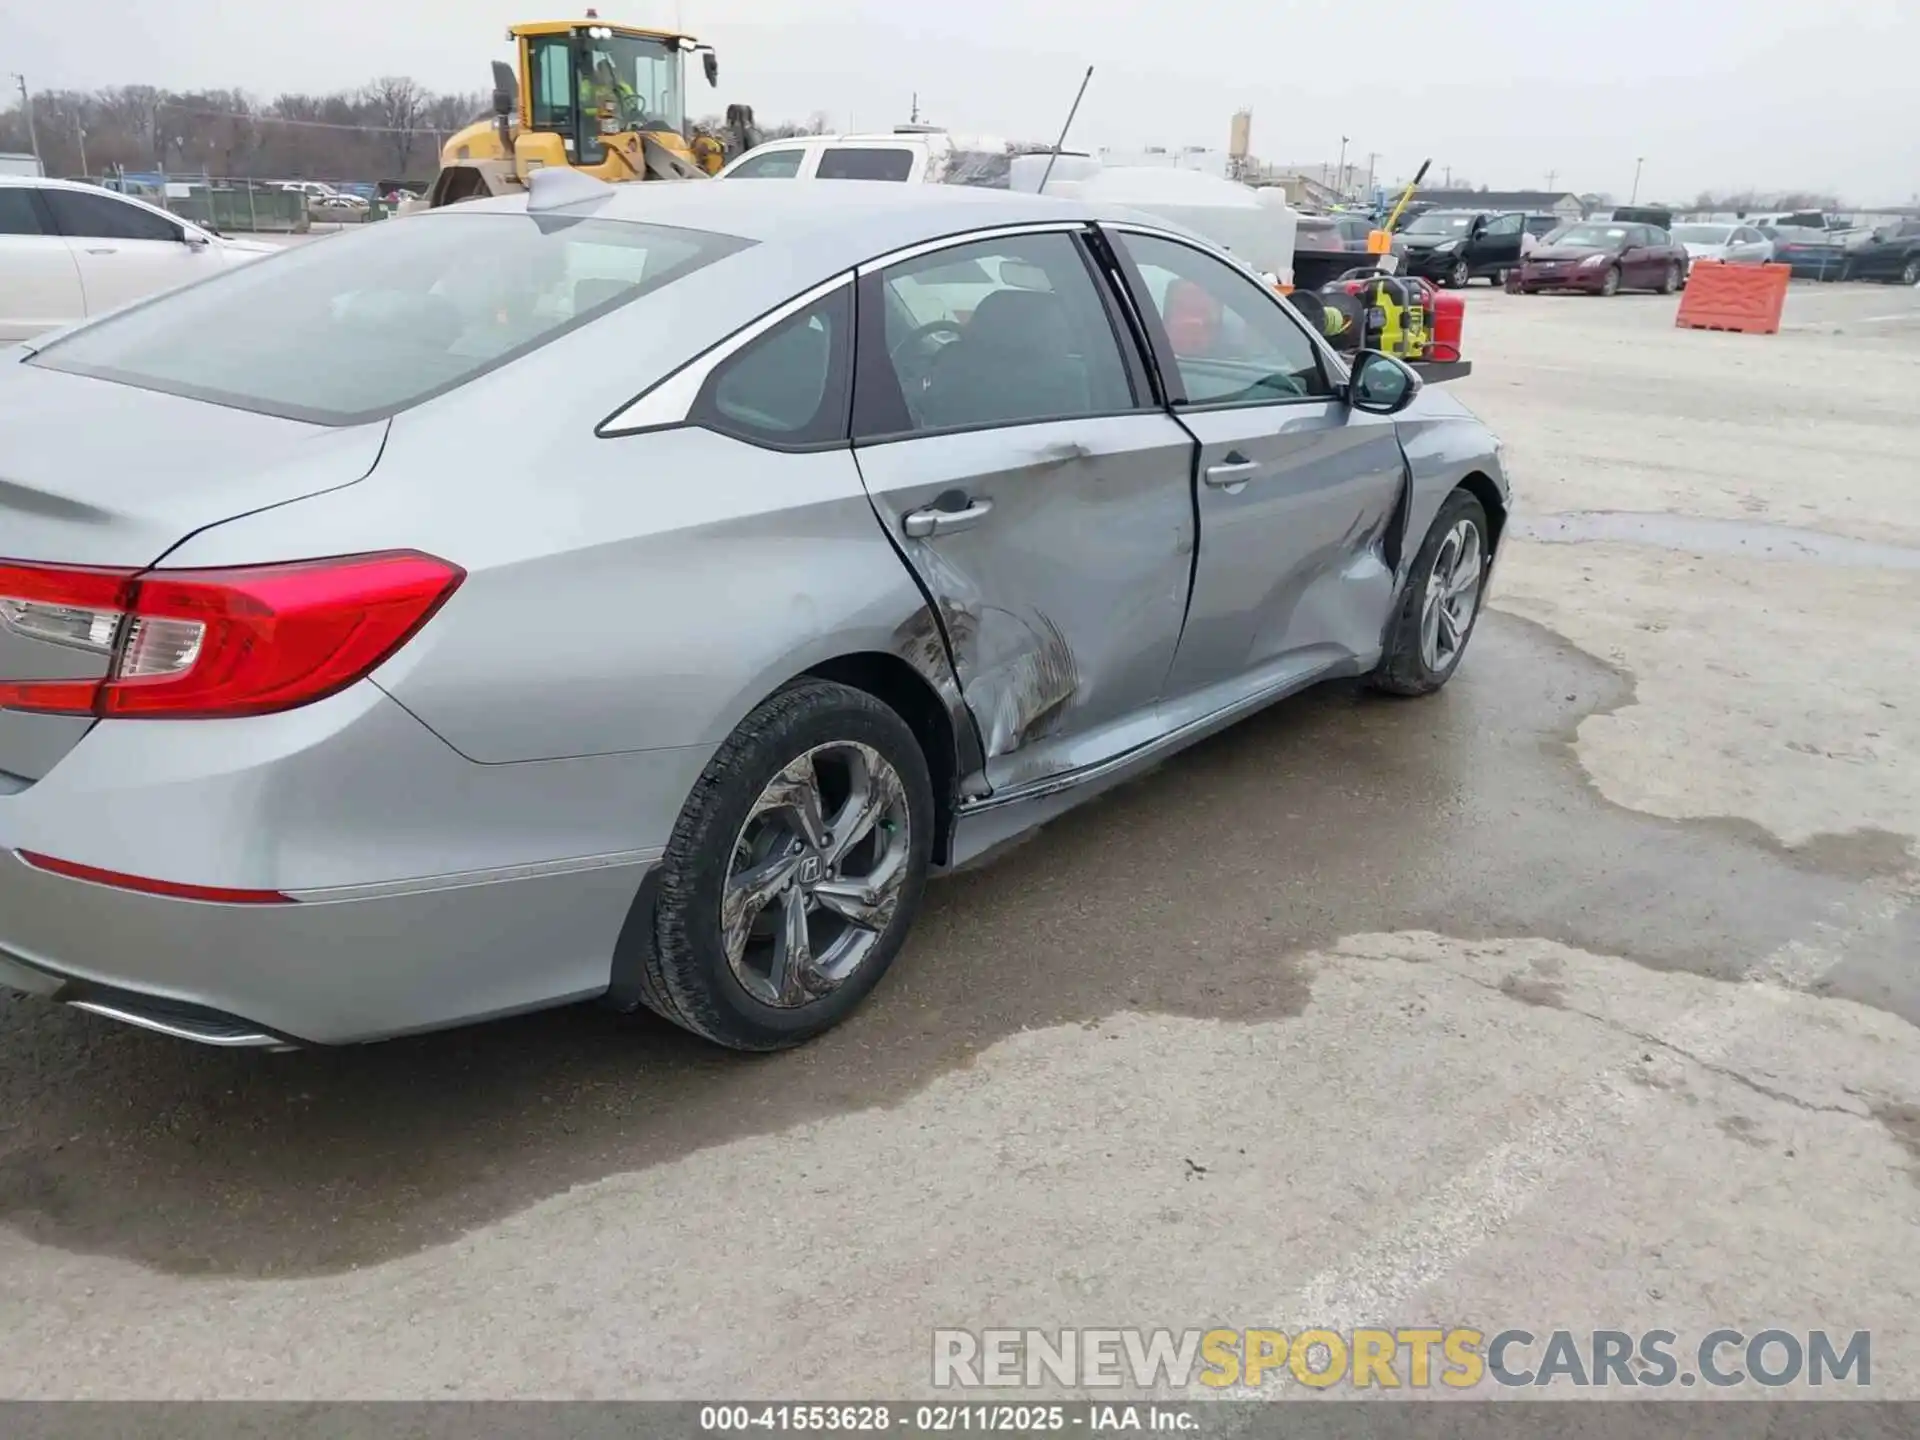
(1449, 319)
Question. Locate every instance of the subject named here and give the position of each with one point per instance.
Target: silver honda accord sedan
(635, 593)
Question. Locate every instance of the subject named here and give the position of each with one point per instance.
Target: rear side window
(865, 163)
(774, 165)
(17, 215)
(998, 332)
(363, 325)
(101, 217)
(790, 387)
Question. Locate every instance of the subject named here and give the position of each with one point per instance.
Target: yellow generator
(606, 100)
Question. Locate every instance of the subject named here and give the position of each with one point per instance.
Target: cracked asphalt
(1581, 995)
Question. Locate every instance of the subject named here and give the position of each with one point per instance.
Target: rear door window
(863, 162)
(103, 217)
(773, 165)
(17, 213)
(999, 332)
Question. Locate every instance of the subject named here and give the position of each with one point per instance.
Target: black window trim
(874, 383)
(1166, 363)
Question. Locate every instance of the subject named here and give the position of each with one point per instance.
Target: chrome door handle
(1236, 472)
(926, 524)
(103, 250)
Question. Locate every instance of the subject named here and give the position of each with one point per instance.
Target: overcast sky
(1714, 93)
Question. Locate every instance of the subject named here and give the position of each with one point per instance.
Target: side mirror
(710, 64)
(1381, 385)
(194, 240)
(506, 89)
(1479, 226)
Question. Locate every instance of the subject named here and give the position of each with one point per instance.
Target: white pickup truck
(1256, 225)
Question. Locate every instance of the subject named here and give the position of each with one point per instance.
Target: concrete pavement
(1582, 995)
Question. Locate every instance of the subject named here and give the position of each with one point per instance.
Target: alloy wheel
(815, 874)
(1453, 594)
(1911, 275)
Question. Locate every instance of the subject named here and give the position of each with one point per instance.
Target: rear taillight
(204, 644)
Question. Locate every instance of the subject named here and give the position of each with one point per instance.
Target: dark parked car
(1453, 246)
(1813, 254)
(1605, 257)
(1892, 254)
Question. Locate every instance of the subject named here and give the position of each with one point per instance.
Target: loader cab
(582, 82)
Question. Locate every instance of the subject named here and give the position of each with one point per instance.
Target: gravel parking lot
(1582, 995)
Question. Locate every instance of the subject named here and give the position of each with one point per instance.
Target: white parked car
(1733, 244)
(70, 251)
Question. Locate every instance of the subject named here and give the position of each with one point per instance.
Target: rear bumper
(1585, 281)
(315, 971)
(422, 889)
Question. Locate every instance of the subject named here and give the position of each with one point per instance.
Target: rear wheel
(1610, 282)
(1670, 281)
(794, 871)
(1441, 602)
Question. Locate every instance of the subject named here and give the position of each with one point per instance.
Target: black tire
(1911, 274)
(1670, 281)
(1610, 283)
(687, 978)
(1403, 669)
(1459, 276)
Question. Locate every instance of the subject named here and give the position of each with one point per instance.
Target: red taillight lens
(203, 644)
(173, 889)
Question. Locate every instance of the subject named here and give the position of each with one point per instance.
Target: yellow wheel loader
(606, 100)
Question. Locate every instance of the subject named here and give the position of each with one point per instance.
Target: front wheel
(1610, 282)
(1437, 612)
(1911, 275)
(1459, 275)
(794, 871)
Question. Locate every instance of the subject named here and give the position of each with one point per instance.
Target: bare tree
(399, 102)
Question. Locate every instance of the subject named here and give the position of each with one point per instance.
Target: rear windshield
(360, 326)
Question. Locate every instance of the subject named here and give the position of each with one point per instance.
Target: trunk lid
(95, 473)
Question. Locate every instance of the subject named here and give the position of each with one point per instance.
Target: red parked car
(1605, 257)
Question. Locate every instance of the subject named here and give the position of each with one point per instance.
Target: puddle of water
(1703, 536)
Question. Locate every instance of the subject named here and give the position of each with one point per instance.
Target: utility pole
(1340, 170)
(1636, 179)
(1447, 184)
(1372, 156)
(26, 104)
(1551, 176)
(914, 119)
(80, 133)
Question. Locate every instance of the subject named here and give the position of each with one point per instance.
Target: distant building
(1563, 203)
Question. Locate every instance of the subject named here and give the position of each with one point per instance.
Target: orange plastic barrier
(1746, 298)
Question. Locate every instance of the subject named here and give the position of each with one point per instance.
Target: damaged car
(635, 593)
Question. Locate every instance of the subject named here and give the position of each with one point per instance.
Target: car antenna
(1064, 128)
